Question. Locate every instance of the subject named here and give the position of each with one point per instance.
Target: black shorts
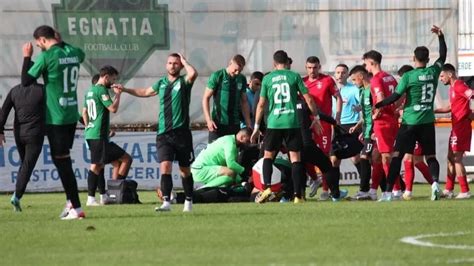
(408, 135)
(176, 145)
(274, 138)
(346, 127)
(61, 138)
(368, 147)
(223, 130)
(103, 151)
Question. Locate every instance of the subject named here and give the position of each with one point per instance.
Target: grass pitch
(313, 233)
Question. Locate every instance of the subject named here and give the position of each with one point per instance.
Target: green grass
(313, 233)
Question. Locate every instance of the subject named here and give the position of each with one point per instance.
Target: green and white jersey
(420, 87)
(173, 103)
(96, 101)
(366, 102)
(59, 66)
(280, 88)
(227, 96)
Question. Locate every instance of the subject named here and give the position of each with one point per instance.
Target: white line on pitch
(416, 240)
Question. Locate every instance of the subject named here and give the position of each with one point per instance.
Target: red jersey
(322, 89)
(459, 96)
(383, 83)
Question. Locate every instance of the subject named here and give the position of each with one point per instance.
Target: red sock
(463, 184)
(449, 182)
(409, 175)
(377, 175)
(425, 171)
(311, 171)
(386, 168)
(397, 185)
(325, 184)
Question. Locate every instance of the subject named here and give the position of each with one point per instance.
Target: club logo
(121, 33)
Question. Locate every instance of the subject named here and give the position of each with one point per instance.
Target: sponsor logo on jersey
(105, 97)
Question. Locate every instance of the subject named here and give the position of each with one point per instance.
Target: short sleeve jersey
(59, 66)
(384, 83)
(322, 89)
(420, 87)
(460, 96)
(96, 101)
(366, 103)
(227, 94)
(350, 100)
(173, 103)
(280, 88)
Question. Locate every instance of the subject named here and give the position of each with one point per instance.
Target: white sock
(90, 198)
(78, 210)
(103, 196)
(372, 191)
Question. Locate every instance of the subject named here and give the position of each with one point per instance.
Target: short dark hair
(344, 66)
(280, 57)
(290, 61)
(313, 60)
(239, 60)
(44, 31)
(359, 69)
(404, 69)
(246, 131)
(256, 75)
(448, 68)
(108, 70)
(95, 78)
(422, 54)
(374, 55)
(174, 55)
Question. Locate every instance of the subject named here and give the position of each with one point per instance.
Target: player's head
(313, 65)
(256, 81)
(43, 36)
(372, 60)
(280, 59)
(288, 63)
(448, 74)
(174, 65)
(236, 65)
(341, 73)
(95, 78)
(404, 69)
(243, 136)
(108, 75)
(358, 75)
(422, 55)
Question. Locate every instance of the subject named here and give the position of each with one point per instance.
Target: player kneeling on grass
(460, 139)
(217, 165)
(96, 115)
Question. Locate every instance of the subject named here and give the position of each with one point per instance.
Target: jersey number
(91, 109)
(70, 76)
(427, 94)
(282, 93)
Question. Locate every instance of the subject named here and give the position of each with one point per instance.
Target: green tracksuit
(221, 153)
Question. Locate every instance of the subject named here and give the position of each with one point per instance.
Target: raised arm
(115, 104)
(191, 73)
(138, 92)
(443, 49)
(27, 79)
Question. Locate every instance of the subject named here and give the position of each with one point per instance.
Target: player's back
(384, 83)
(97, 99)
(420, 87)
(280, 88)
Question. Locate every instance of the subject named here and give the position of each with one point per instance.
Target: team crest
(105, 97)
(319, 85)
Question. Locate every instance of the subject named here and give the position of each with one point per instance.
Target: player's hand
(376, 114)
(118, 88)
(436, 30)
(255, 134)
(182, 58)
(2, 140)
(361, 137)
(352, 129)
(211, 125)
(316, 124)
(111, 133)
(27, 49)
(372, 137)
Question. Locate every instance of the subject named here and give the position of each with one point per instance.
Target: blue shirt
(350, 102)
